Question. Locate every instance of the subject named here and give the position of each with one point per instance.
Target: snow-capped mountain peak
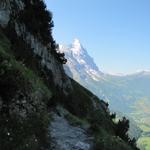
(76, 43)
(80, 61)
(76, 47)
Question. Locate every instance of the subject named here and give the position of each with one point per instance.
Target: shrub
(37, 19)
(122, 129)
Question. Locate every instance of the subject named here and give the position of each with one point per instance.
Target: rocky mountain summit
(82, 65)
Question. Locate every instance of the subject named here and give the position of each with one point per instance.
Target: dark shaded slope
(26, 106)
(33, 84)
(23, 104)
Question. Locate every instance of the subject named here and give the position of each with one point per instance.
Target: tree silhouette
(38, 20)
(122, 129)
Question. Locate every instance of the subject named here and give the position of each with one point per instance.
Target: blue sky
(116, 33)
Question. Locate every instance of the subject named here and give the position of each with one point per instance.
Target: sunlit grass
(144, 142)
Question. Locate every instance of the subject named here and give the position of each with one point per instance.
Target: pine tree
(122, 129)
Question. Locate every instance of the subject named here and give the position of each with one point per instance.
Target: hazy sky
(116, 33)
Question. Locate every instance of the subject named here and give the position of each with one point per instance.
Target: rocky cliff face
(23, 103)
(4, 13)
(9, 12)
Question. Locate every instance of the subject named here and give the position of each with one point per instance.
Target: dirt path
(67, 137)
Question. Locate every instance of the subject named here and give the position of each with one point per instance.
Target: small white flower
(8, 133)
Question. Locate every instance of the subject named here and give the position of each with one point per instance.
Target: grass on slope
(24, 118)
(8, 62)
(142, 116)
(92, 111)
(30, 133)
(144, 140)
(144, 143)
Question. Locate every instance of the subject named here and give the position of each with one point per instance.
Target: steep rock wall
(9, 10)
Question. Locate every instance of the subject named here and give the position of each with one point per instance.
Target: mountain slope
(35, 92)
(128, 94)
(23, 101)
(27, 112)
(122, 92)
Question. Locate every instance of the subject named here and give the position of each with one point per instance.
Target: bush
(113, 116)
(38, 20)
(122, 129)
(24, 119)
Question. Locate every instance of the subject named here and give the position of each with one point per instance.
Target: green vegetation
(8, 63)
(122, 128)
(40, 23)
(86, 108)
(75, 121)
(24, 118)
(144, 143)
(26, 96)
(109, 142)
(141, 115)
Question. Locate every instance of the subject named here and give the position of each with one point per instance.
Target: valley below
(143, 121)
(127, 94)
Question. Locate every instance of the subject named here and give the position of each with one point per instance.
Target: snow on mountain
(121, 90)
(126, 93)
(77, 48)
(80, 61)
(143, 72)
(137, 73)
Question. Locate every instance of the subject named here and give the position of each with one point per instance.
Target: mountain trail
(67, 137)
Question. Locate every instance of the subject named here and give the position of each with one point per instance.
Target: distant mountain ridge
(128, 93)
(82, 66)
(78, 57)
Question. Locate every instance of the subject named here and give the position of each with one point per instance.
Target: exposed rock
(6, 9)
(4, 12)
(67, 137)
(48, 60)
